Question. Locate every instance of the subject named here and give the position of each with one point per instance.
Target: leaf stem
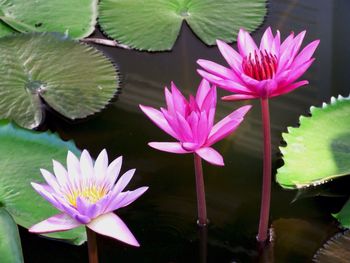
(106, 42)
(92, 246)
(201, 206)
(266, 185)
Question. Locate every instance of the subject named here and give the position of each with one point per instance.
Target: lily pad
(10, 243)
(319, 150)
(336, 250)
(344, 215)
(76, 80)
(22, 153)
(154, 25)
(76, 18)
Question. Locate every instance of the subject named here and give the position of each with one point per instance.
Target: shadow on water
(163, 220)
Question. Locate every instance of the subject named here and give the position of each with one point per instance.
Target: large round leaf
(344, 215)
(10, 243)
(154, 25)
(76, 18)
(319, 150)
(74, 79)
(336, 250)
(22, 153)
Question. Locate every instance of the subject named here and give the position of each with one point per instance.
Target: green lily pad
(22, 153)
(336, 250)
(154, 25)
(76, 18)
(344, 215)
(10, 243)
(319, 150)
(75, 79)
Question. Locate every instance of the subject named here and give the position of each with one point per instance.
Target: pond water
(164, 219)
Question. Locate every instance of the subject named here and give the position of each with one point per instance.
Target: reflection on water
(164, 218)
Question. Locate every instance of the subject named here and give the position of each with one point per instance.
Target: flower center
(260, 66)
(91, 193)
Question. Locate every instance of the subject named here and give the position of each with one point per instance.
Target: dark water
(163, 220)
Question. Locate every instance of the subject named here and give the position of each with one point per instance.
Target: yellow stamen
(91, 193)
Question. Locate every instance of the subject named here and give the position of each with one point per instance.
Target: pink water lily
(267, 71)
(191, 122)
(87, 194)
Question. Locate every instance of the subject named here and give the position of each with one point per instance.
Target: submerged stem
(266, 186)
(92, 246)
(201, 206)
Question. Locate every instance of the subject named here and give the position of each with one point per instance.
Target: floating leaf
(22, 153)
(76, 18)
(319, 150)
(154, 25)
(74, 79)
(336, 250)
(344, 215)
(10, 243)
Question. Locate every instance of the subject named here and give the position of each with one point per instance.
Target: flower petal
(245, 43)
(227, 125)
(112, 226)
(266, 40)
(232, 57)
(86, 166)
(179, 101)
(210, 155)
(123, 181)
(125, 199)
(158, 119)
(238, 97)
(172, 147)
(60, 173)
(113, 171)
(202, 92)
(45, 192)
(217, 70)
(305, 54)
(101, 164)
(56, 223)
(51, 180)
(290, 88)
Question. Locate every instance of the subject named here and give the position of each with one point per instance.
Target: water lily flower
(261, 73)
(191, 123)
(265, 72)
(87, 194)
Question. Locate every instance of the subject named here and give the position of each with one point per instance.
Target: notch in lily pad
(74, 79)
(154, 25)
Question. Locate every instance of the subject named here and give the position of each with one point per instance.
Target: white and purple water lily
(87, 194)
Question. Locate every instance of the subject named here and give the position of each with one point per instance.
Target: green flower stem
(201, 206)
(266, 187)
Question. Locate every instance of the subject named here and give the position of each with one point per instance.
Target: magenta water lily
(261, 73)
(191, 123)
(86, 193)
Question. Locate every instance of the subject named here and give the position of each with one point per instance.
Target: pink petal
(123, 181)
(245, 43)
(113, 171)
(179, 101)
(232, 57)
(217, 70)
(238, 97)
(60, 173)
(202, 92)
(46, 193)
(276, 44)
(73, 169)
(158, 119)
(51, 180)
(56, 223)
(298, 72)
(169, 100)
(202, 129)
(184, 128)
(209, 77)
(290, 88)
(86, 165)
(289, 53)
(130, 196)
(210, 155)
(209, 101)
(172, 147)
(266, 40)
(287, 42)
(112, 226)
(305, 54)
(227, 125)
(234, 87)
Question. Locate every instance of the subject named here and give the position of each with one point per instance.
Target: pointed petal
(305, 54)
(56, 223)
(290, 88)
(276, 44)
(51, 180)
(101, 164)
(172, 147)
(86, 165)
(45, 192)
(184, 129)
(266, 40)
(227, 125)
(123, 181)
(299, 71)
(87, 209)
(234, 87)
(238, 97)
(113, 171)
(112, 226)
(179, 101)
(217, 70)
(158, 119)
(73, 169)
(125, 199)
(245, 43)
(232, 57)
(60, 173)
(210, 155)
(202, 92)
(169, 100)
